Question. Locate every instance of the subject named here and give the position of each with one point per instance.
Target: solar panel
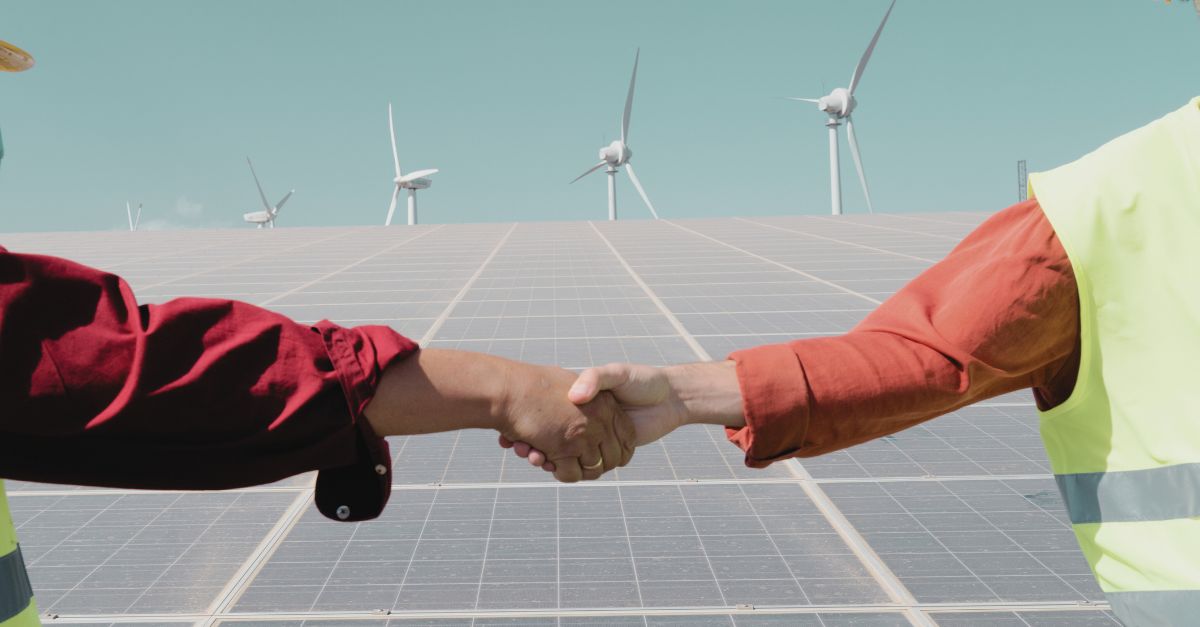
(953, 522)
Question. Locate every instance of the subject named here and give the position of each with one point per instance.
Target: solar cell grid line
(806, 275)
(441, 319)
(253, 564)
(195, 542)
(1025, 550)
(954, 238)
(935, 433)
(637, 579)
(90, 258)
(243, 260)
(894, 239)
(995, 596)
(829, 260)
(416, 548)
(758, 516)
(132, 549)
(955, 218)
(888, 581)
(1001, 546)
(839, 241)
(348, 266)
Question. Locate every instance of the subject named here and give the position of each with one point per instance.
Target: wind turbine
(267, 216)
(618, 154)
(411, 181)
(133, 221)
(839, 104)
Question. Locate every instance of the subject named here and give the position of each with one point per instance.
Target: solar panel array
(956, 522)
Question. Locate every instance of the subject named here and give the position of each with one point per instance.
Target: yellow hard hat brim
(13, 59)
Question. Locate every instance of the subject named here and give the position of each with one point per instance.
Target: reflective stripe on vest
(1151, 494)
(1125, 447)
(17, 608)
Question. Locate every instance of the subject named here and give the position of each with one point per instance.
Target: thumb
(593, 380)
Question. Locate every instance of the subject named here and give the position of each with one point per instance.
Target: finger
(610, 449)
(537, 458)
(592, 380)
(522, 449)
(548, 466)
(505, 442)
(568, 470)
(596, 461)
(626, 437)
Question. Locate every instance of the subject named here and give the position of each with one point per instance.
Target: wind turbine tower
(839, 104)
(410, 182)
(266, 217)
(133, 220)
(617, 155)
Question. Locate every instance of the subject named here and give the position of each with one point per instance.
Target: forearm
(443, 390)
(709, 392)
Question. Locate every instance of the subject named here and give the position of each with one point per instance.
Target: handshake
(575, 426)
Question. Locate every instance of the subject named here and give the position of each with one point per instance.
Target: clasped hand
(644, 396)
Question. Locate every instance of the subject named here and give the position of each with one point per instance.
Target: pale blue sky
(161, 102)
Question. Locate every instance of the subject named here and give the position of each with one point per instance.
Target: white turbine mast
(411, 181)
(134, 220)
(618, 154)
(839, 104)
(266, 217)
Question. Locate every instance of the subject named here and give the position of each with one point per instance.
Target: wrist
(509, 386)
(708, 392)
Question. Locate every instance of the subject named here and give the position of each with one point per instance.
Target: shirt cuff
(359, 355)
(775, 402)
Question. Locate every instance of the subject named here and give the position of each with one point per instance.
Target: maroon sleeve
(190, 394)
(998, 314)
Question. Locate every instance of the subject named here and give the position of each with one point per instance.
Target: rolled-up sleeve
(1000, 313)
(189, 394)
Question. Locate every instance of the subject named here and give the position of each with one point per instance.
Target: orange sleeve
(1000, 313)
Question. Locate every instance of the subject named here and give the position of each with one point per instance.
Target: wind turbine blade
(392, 207)
(137, 219)
(129, 214)
(812, 100)
(279, 205)
(590, 170)
(266, 205)
(392, 130)
(629, 98)
(862, 176)
(862, 63)
(638, 185)
(412, 176)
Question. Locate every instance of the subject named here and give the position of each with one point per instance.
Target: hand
(570, 435)
(657, 400)
(644, 392)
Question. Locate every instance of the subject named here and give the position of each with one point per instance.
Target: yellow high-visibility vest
(1125, 446)
(17, 608)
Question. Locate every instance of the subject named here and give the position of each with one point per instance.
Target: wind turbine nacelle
(421, 183)
(616, 153)
(257, 217)
(839, 103)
